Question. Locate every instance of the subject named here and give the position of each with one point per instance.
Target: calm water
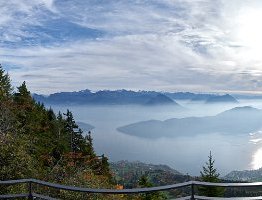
(186, 154)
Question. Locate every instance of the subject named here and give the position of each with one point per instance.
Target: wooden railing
(192, 184)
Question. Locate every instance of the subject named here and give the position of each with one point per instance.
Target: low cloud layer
(171, 45)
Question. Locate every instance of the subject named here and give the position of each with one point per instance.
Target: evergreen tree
(24, 110)
(144, 182)
(23, 91)
(77, 141)
(70, 127)
(7, 117)
(60, 125)
(209, 174)
(105, 166)
(51, 114)
(35, 143)
(5, 85)
(23, 95)
(7, 120)
(89, 144)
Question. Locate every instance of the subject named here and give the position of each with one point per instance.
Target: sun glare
(249, 30)
(257, 159)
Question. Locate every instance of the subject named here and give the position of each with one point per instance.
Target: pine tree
(209, 174)
(144, 182)
(8, 122)
(105, 166)
(24, 109)
(5, 85)
(35, 143)
(23, 96)
(89, 144)
(23, 90)
(70, 126)
(77, 141)
(7, 117)
(60, 126)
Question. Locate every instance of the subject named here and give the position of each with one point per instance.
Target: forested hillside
(128, 173)
(37, 143)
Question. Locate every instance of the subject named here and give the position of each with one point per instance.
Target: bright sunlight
(249, 28)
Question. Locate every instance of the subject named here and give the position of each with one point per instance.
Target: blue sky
(163, 45)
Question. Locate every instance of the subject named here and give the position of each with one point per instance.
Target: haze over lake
(184, 153)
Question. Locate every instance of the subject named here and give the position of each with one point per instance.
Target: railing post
(30, 195)
(192, 192)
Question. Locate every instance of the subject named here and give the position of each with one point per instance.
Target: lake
(186, 154)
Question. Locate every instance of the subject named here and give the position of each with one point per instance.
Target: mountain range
(124, 97)
(221, 99)
(239, 120)
(106, 97)
(246, 175)
(207, 98)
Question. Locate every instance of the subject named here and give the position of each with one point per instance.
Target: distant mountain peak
(241, 109)
(245, 108)
(85, 91)
(160, 99)
(221, 99)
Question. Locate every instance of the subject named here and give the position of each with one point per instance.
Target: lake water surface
(186, 154)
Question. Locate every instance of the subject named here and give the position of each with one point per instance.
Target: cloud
(155, 45)
(17, 15)
(135, 62)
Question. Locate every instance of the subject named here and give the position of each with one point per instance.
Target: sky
(162, 45)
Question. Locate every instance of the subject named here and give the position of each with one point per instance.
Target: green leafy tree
(209, 174)
(7, 120)
(15, 162)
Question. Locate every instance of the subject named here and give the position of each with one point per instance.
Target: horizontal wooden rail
(191, 184)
